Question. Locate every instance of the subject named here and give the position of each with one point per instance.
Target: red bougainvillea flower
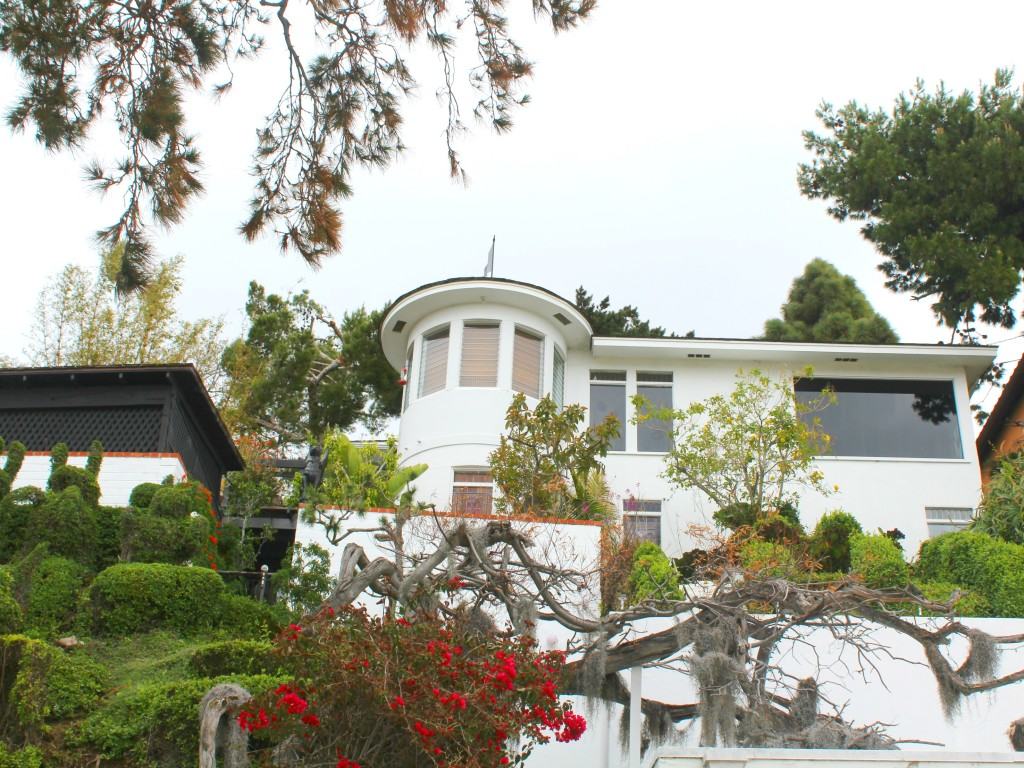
(250, 722)
(344, 762)
(213, 539)
(311, 720)
(456, 583)
(397, 702)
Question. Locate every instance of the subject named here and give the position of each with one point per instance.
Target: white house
(902, 453)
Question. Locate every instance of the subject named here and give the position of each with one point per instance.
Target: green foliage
(50, 588)
(969, 603)
(156, 725)
(305, 581)
(108, 534)
(543, 462)
(830, 542)
(783, 526)
(936, 183)
(27, 757)
(16, 510)
(67, 522)
(878, 561)
(135, 597)
(142, 494)
(146, 538)
(825, 305)
(12, 465)
(244, 618)
(1001, 512)
(63, 475)
(653, 576)
(606, 321)
(40, 683)
(768, 558)
(753, 447)
(234, 657)
(11, 617)
(299, 374)
(993, 567)
(179, 501)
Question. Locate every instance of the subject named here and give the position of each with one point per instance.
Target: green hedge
(16, 508)
(136, 597)
(242, 657)
(244, 618)
(970, 602)
(993, 567)
(29, 757)
(878, 561)
(156, 725)
(10, 612)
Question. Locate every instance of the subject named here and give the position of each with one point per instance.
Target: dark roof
(182, 375)
(1012, 393)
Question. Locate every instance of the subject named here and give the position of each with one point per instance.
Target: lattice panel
(126, 428)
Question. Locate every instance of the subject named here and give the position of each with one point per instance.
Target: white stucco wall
(118, 474)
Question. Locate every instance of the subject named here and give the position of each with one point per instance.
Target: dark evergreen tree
(939, 185)
(825, 305)
(606, 321)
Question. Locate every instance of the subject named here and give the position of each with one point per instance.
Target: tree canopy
(606, 321)
(80, 320)
(939, 185)
(299, 373)
(340, 105)
(825, 305)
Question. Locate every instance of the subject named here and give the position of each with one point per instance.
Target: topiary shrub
(156, 725)
(49, 587)
(993, 567)
(142, 495)
(67, 522)
(136, 597)
(108, 535)
(40, 683)
(878, 561)
(180, 501)
(1001, 512)
(830, 542)
(147, 538)
(768, 558)
(229, 657)
(16, 510)
(28, 757)
(64, 476)
(653, 576)
(12, 465)
(11, 617)
(243, 617)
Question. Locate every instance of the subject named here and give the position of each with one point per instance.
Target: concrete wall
(782, 758)
(119, 474)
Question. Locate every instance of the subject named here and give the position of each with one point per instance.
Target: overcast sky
(656, 163)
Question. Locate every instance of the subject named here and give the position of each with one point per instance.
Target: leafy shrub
(42, 683)
(16, 509)
(243, 617)
(12, 465)
(49, 586)
(830, 542)
(10, 612)
(147, 538)
(108, 535)
(135, 597)
(244, 657)
(63, 476)
(28, 757)
(180, 501)
(878, 561)
(306, 580)
(67, 522)
(993, 567)
(142, 495)
(155, 725)
(768, 558)
(970, 602)
(653, 576)
(1001, 512)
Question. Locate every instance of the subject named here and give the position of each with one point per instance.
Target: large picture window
(479, 355)
(527, 363)
(608, 395)
(434, 361)
(887, 418)
(653, 435)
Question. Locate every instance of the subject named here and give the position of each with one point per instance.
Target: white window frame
(424, 341)
(647, 510)
(471, 484)
(539, 338)
(949, 518)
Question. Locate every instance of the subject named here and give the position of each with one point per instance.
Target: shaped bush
(67, 522)
(108, 535)
(16, 510)
(243, 617)
(830, 542)
(64, 476)
(878, 561)
(137, 597)
(12, 465)
(49, 586)
(147, 538)
(180, 501)
(653, 576)
(142, 495)
(10, 611)
(993, 567)
(245, 657)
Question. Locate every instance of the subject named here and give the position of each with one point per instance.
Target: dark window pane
(605, 399)
(653, 434)
(887, 418)
(641, 505)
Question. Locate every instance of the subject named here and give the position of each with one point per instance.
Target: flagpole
(489, 269)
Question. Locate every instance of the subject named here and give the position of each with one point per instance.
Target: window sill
(893, 459)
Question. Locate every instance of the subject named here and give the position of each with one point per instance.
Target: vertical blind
(527, 360)
(434, 362)
(558, 379)
(479, 355)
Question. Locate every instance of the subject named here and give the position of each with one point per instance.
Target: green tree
(606, 321)
(347, 76)
(81, 320)
(751, 449)
(825, 305)
(938, 184)
(298, 373)
(1001, 512)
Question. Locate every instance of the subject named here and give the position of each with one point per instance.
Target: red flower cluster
(344, 762)
(250, 722)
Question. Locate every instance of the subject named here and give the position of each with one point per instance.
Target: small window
(527, 363)
(558, 380)
(637, 521)
(947, 519)
(479, 355)
(472, 492)
(407, 374)
(608, 396)
(434, 362)
(654, 435)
